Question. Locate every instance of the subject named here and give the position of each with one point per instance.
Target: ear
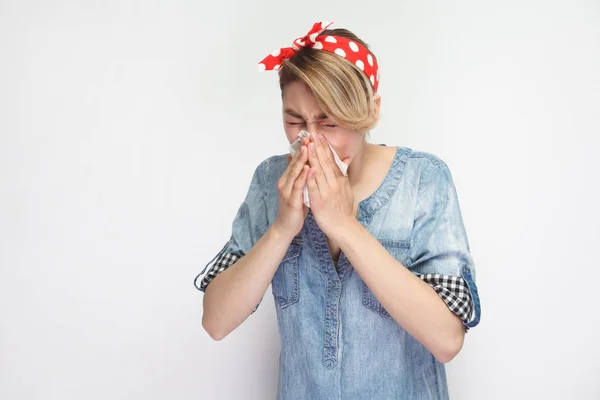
(377, 103)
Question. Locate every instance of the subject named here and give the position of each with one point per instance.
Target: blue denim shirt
(337, 340)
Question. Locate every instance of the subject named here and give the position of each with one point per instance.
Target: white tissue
(295, 146)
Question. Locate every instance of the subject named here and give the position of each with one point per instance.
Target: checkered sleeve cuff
(455, 293)
(221, 263)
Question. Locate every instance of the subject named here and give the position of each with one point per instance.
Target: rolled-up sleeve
(440, 253)
(249, 225)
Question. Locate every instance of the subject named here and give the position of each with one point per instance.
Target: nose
(312, 127)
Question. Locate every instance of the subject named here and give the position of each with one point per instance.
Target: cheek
(291, 132)
(346, 144)
(291, 137)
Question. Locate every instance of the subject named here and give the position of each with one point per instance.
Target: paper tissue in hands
(295, 146)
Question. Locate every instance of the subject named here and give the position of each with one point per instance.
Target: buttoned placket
(334, 278)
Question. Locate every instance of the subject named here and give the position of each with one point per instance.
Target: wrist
(343, 229)
(279, 231)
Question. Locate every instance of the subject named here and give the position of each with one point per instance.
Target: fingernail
(312, 147)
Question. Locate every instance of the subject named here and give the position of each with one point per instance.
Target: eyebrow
(294, 114)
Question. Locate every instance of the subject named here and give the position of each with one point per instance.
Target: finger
(313, 187)
(327, 150)
(283, 179)
(330, 169)
(295, 169)
(291, 160)
(298, 188)
(314, 163)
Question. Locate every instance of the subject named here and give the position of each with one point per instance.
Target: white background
(129, 132)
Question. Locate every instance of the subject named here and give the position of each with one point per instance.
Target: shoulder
(425, 167)
(268, 172)
(273, 165)
(271, 168)
(425, 161)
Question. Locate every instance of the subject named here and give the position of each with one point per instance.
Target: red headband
(346, 48)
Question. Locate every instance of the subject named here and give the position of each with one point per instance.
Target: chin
(343, 158)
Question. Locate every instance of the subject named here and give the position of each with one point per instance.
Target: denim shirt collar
(385, 191)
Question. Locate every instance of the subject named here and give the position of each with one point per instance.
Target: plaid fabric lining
(222, 262)
(455, 293)
(452, 289)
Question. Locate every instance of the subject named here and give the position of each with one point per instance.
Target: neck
(356, 170)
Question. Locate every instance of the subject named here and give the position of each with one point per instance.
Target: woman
(374, 284)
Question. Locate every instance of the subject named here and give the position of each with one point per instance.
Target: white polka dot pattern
(351, 51)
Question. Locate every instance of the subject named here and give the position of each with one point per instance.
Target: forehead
(297, 98)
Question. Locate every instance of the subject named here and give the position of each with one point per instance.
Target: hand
(292, 211)
(331, 197)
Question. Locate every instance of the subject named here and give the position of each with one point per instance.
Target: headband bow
(343, 47)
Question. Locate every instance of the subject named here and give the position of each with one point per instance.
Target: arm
(233, 294)
(439, 246)
(407, 298)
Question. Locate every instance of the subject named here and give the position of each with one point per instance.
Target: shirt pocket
(400, 250)
(285, 283)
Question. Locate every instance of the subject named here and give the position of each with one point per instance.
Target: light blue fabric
(337, 341)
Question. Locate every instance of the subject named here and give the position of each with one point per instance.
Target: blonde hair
(342, 90)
